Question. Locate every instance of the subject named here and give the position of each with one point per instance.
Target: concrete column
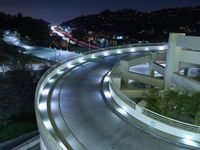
(151, 72)
(124, 68)
(172, 60)
(152, 59)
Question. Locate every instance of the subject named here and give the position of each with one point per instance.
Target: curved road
(89, 118)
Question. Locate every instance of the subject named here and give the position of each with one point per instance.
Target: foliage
(17, 93)
(175, 104)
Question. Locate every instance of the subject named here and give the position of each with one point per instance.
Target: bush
(176, 104)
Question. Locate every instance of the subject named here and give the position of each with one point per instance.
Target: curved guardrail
(154, 115)
(162, 123)
(122, 96)
(44, 116)
(171, 122)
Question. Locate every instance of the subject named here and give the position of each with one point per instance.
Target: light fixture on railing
(51, 80)
(69, 65)
(81, 60)
(93, 56)
(146, 48)
(60, 72)
(42, 106)
(105, 54)
(161, 48)
(107, 94)
(132, 49)
(122, 111)
(119, 51)
(107, 78)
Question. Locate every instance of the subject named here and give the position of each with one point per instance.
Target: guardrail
(122, 96)
(28, 144)
(154, 115)
(126, 46)
(171, 122)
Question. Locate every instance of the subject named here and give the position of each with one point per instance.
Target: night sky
(57, 11)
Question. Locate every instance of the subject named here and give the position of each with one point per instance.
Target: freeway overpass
(72, 113)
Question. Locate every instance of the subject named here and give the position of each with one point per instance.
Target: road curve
(90, 120)
(72, 114)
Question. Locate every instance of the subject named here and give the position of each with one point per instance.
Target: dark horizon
(60, 11)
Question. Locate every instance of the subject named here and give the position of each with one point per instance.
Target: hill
(152, 26)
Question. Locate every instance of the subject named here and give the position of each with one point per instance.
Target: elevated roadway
(72, 114)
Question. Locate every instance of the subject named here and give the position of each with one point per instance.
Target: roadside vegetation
(175, 103)
(17, 90)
